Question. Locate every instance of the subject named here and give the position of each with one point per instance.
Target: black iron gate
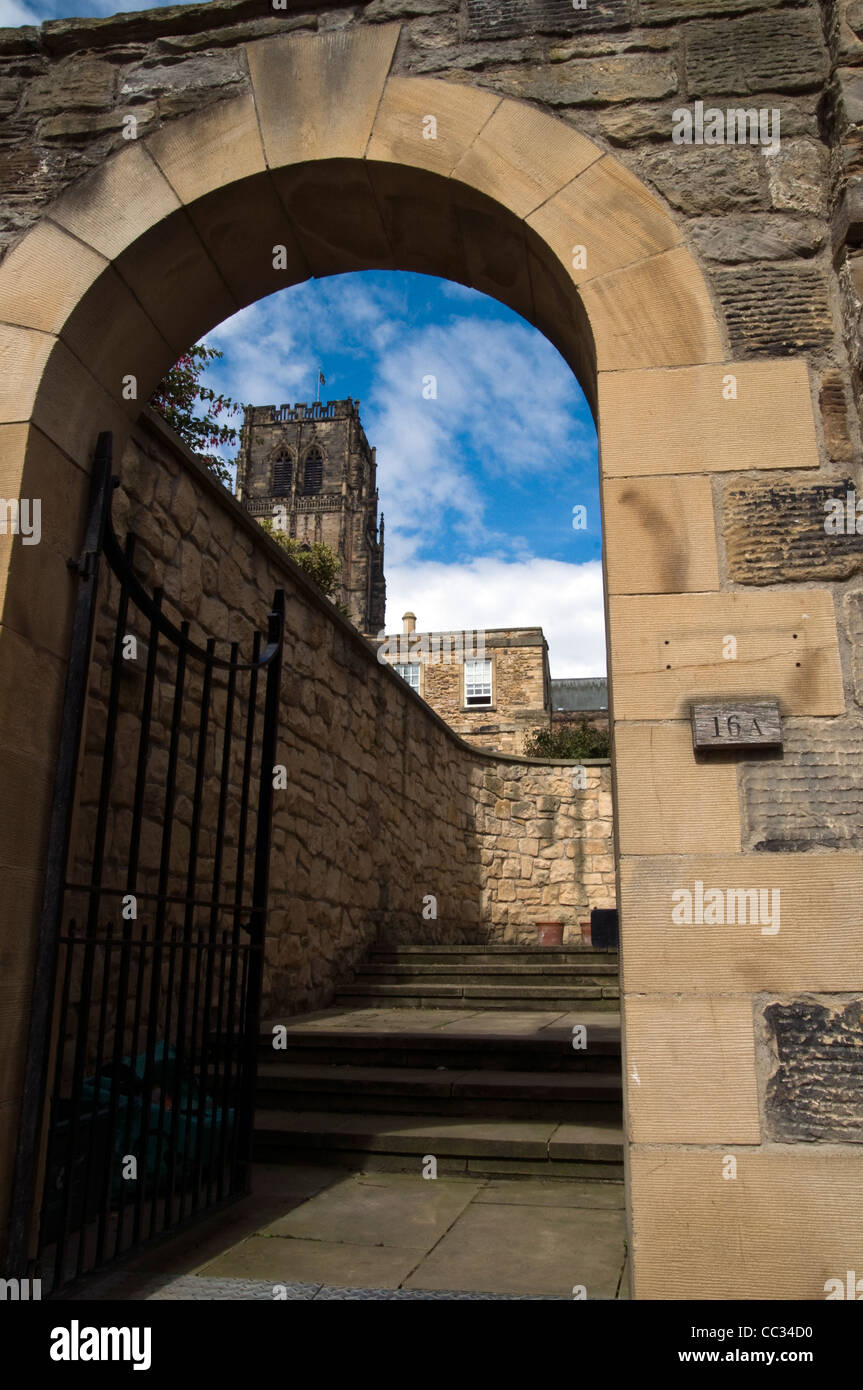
(138, 1103)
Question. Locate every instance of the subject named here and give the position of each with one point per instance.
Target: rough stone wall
(546, 847)
(384, 806)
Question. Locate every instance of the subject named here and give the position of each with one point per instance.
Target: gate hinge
(85, 566)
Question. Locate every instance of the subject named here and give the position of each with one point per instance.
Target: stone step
(401, 1142)
(495, 955)
(548, 1051)
(524, 998)
(393, 972)
(574, 1096)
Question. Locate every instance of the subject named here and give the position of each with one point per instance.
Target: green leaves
(576, 740)
(178, 398)
(318, 561)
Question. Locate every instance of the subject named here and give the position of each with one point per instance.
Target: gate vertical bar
(260, 891)
(72, 722)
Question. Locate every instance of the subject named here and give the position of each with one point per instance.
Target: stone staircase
(486, 977)
(411, 1061)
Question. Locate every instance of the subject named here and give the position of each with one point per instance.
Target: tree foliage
(577, 740)
(179, 397)
(320, 562)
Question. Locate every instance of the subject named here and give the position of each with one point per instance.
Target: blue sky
(14, 12)
(478, 484)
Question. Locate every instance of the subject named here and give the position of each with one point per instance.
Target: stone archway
(334, 160)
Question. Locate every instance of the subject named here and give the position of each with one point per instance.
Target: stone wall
(546, 845)
(384, 807)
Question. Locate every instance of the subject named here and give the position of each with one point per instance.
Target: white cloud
(564, 600)
(13, 14)
(501, 400)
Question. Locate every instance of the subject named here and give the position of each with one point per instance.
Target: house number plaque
(729, 725)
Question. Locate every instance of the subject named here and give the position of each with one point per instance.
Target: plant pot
(550, 933)
(585, 933)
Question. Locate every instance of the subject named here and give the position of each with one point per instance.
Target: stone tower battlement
(315, 465)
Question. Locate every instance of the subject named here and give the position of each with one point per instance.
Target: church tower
(316, 463)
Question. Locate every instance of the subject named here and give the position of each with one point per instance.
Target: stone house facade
(492, 687)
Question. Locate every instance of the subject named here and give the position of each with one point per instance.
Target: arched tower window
(283, 467)
(313, 476)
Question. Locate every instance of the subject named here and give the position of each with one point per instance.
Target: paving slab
(378, 1019)
(605, 1020)
(552, 1192)
(385, 1179)
(196, 1289)
(598, 1140)
(528, 1250)
(410, 1215)
(502, 1022)
(336, 1240)
(276, 1189)
(286, 1260)
(553, 1170)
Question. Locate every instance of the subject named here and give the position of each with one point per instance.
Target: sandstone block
(77, 82)
(587, 81)
(653, 313)
(776, 311)
(715, 179)
(788, 809)
(798, 176)
(768, 52)
(669, 650)
(317, 97)
(499, 19)
(756, 237)
(778, 532)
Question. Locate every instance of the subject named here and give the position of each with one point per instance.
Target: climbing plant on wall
(197, 413)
